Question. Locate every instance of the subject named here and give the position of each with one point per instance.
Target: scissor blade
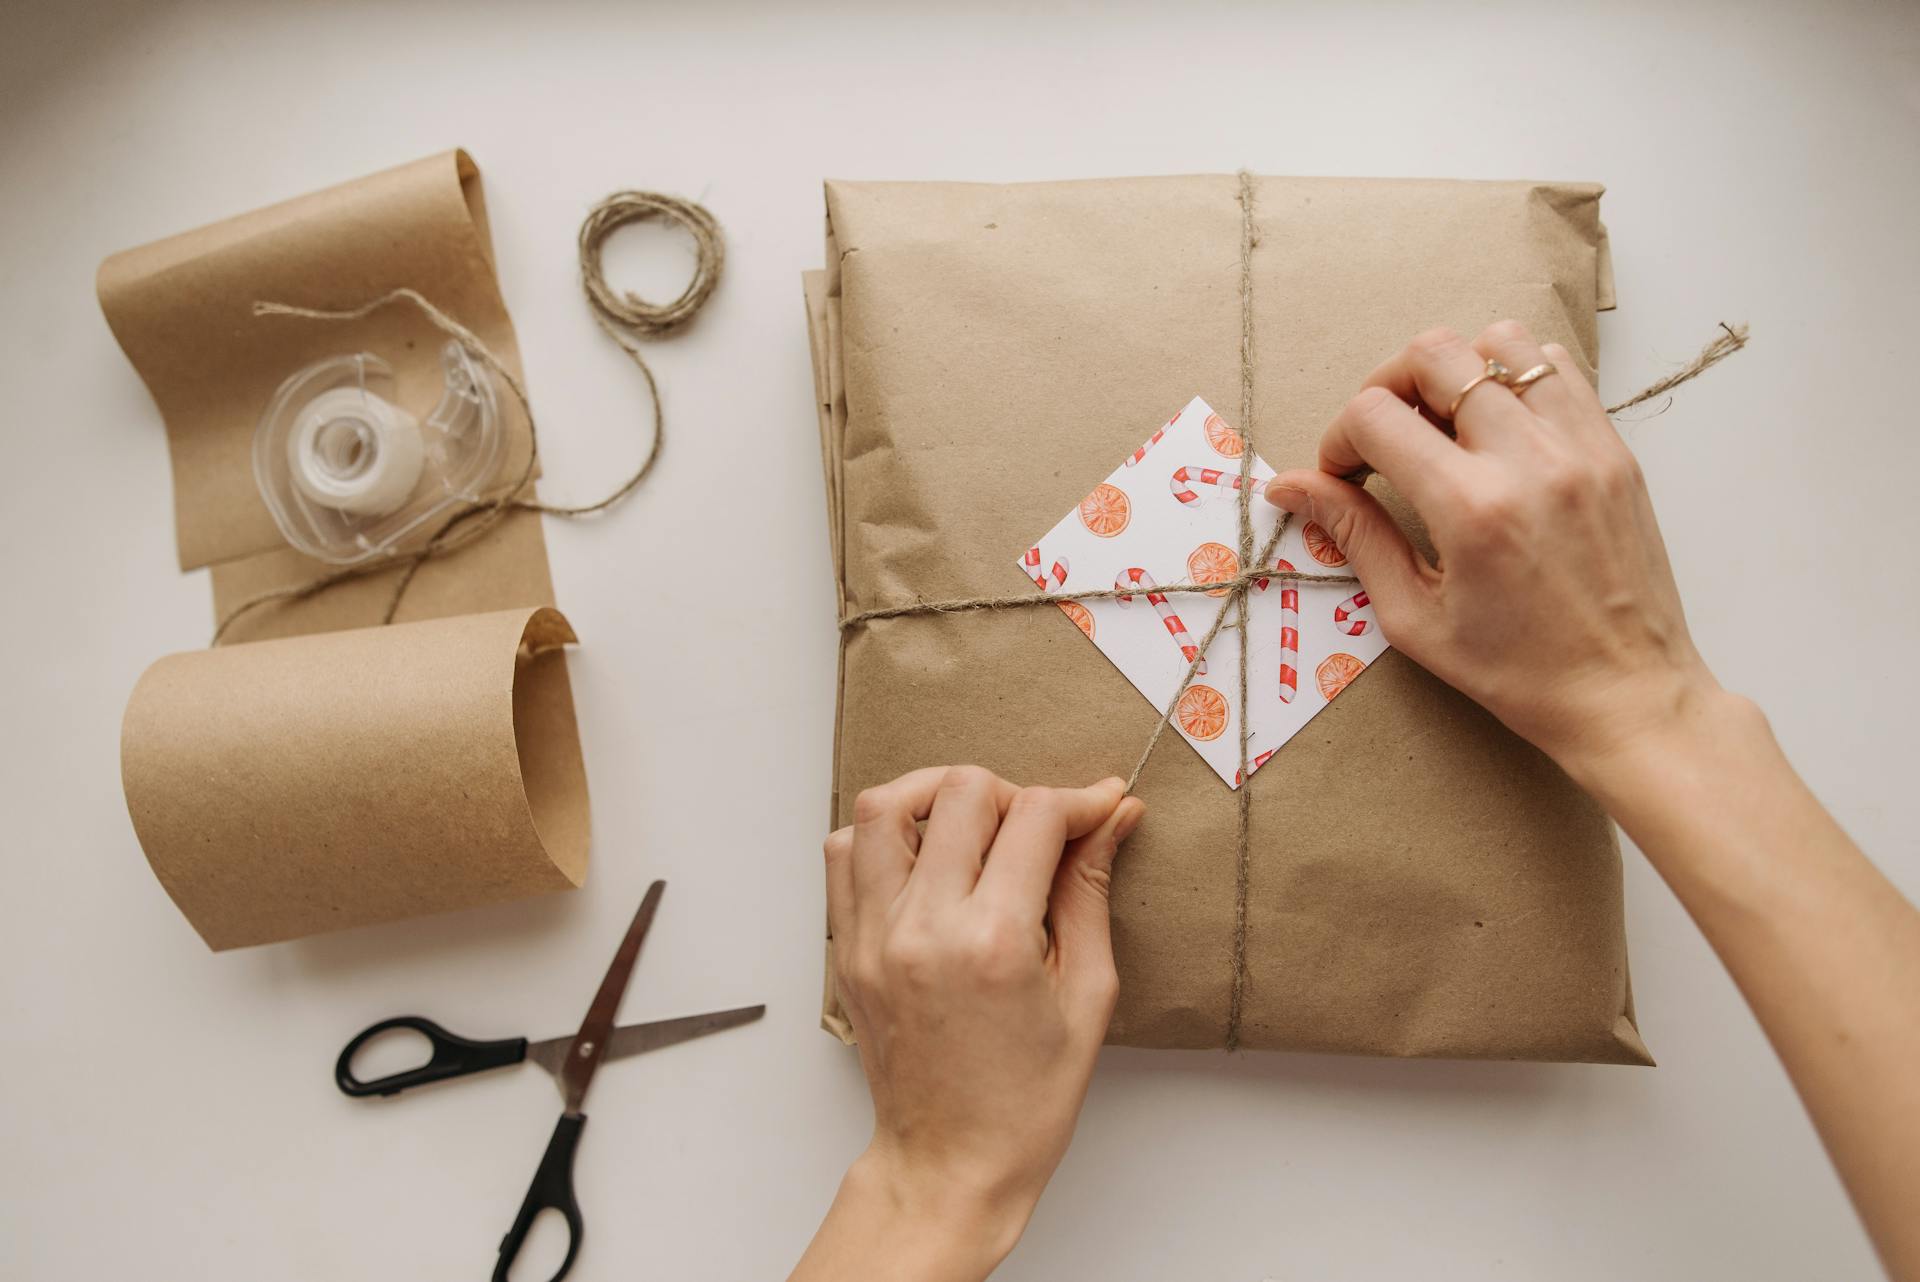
(590, 1043)
(637, 1039)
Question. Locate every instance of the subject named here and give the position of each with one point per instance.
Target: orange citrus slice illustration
(1226, 442)
(1335, 671)
(1105, 511)
(1320, 545)
(1081, 616)
(1202, 713)
(1213, 563)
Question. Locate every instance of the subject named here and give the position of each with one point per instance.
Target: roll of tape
(355, 452)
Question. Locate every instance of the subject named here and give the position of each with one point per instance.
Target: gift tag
(1168, 514)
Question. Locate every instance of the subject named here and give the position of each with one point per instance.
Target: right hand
(972, 952)
(1553, 604)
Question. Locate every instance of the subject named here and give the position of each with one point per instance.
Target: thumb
(1377, 548)
(1078, 907)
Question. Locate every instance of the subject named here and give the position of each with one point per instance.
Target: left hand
(975, 964)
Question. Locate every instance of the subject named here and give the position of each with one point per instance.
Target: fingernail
(1290, 497)
(1124, 826)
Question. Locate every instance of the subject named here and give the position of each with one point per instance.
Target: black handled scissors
(571, 1060)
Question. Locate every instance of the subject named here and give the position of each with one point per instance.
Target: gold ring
(1521, 382)
(1495, 370)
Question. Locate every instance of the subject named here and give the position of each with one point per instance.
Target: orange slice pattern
(1335, 672)
(1081, 616)
(1202, 713)
(1226, 442)
(1213, 563)
(1320, 545)
(1106, 510)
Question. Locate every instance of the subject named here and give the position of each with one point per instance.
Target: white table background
(169, 1113)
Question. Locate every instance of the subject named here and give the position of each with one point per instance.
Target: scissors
(572, 1062)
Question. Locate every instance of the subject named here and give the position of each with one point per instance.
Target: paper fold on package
(1420, 881)
(288, 787)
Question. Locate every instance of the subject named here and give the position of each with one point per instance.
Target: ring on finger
(1495, 371)
(1521, 382)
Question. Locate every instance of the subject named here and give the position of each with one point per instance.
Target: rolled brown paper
(284, 788)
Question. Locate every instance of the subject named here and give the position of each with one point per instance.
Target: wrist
(934, 1226)
(1695, 723)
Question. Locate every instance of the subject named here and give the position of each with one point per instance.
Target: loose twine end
(1730, 340)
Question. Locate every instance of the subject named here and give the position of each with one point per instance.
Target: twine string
(625, 317)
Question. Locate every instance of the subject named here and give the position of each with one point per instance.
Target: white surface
(168, 1113)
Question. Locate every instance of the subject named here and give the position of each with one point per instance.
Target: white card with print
(1168, 514)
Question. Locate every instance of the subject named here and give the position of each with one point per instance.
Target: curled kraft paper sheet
(288, 787)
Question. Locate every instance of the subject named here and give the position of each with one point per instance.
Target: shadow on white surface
(476, 934)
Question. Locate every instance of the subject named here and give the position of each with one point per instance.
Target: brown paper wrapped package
(285, 787)
(1421, 882)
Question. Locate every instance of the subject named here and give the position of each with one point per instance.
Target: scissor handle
(453, 1056)
(552, 1189)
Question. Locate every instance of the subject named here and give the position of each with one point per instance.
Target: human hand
(975, 964)
(1553, 604)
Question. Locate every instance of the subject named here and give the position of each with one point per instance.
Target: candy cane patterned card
(1168, 514)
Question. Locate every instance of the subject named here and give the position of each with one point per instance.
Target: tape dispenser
(348, 473)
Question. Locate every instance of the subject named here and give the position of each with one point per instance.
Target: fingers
(1079, 909)
(1509, 343)
(1026, 853)
(1577, 405)
(1580, 394)
(886, 836)
(839, 852)
(967, 808)
(1434, 369)
(1377, 429)
(1396, 577)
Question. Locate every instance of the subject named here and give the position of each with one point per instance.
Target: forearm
(881, 1227)
(1825, 949)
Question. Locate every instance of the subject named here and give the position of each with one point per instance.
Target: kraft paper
(318, 771)
(1422, 881)
(283, 788)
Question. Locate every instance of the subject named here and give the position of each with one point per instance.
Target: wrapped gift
(1418, 880)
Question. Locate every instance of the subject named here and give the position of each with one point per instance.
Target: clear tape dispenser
(349, 473)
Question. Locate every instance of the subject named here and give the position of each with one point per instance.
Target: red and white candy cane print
(1152, 441)
(1253, 765)
(1289, 635)
(1344, 614)
(1184, 479)
(1289, 630)
(1056, 577)
(1136, 577)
